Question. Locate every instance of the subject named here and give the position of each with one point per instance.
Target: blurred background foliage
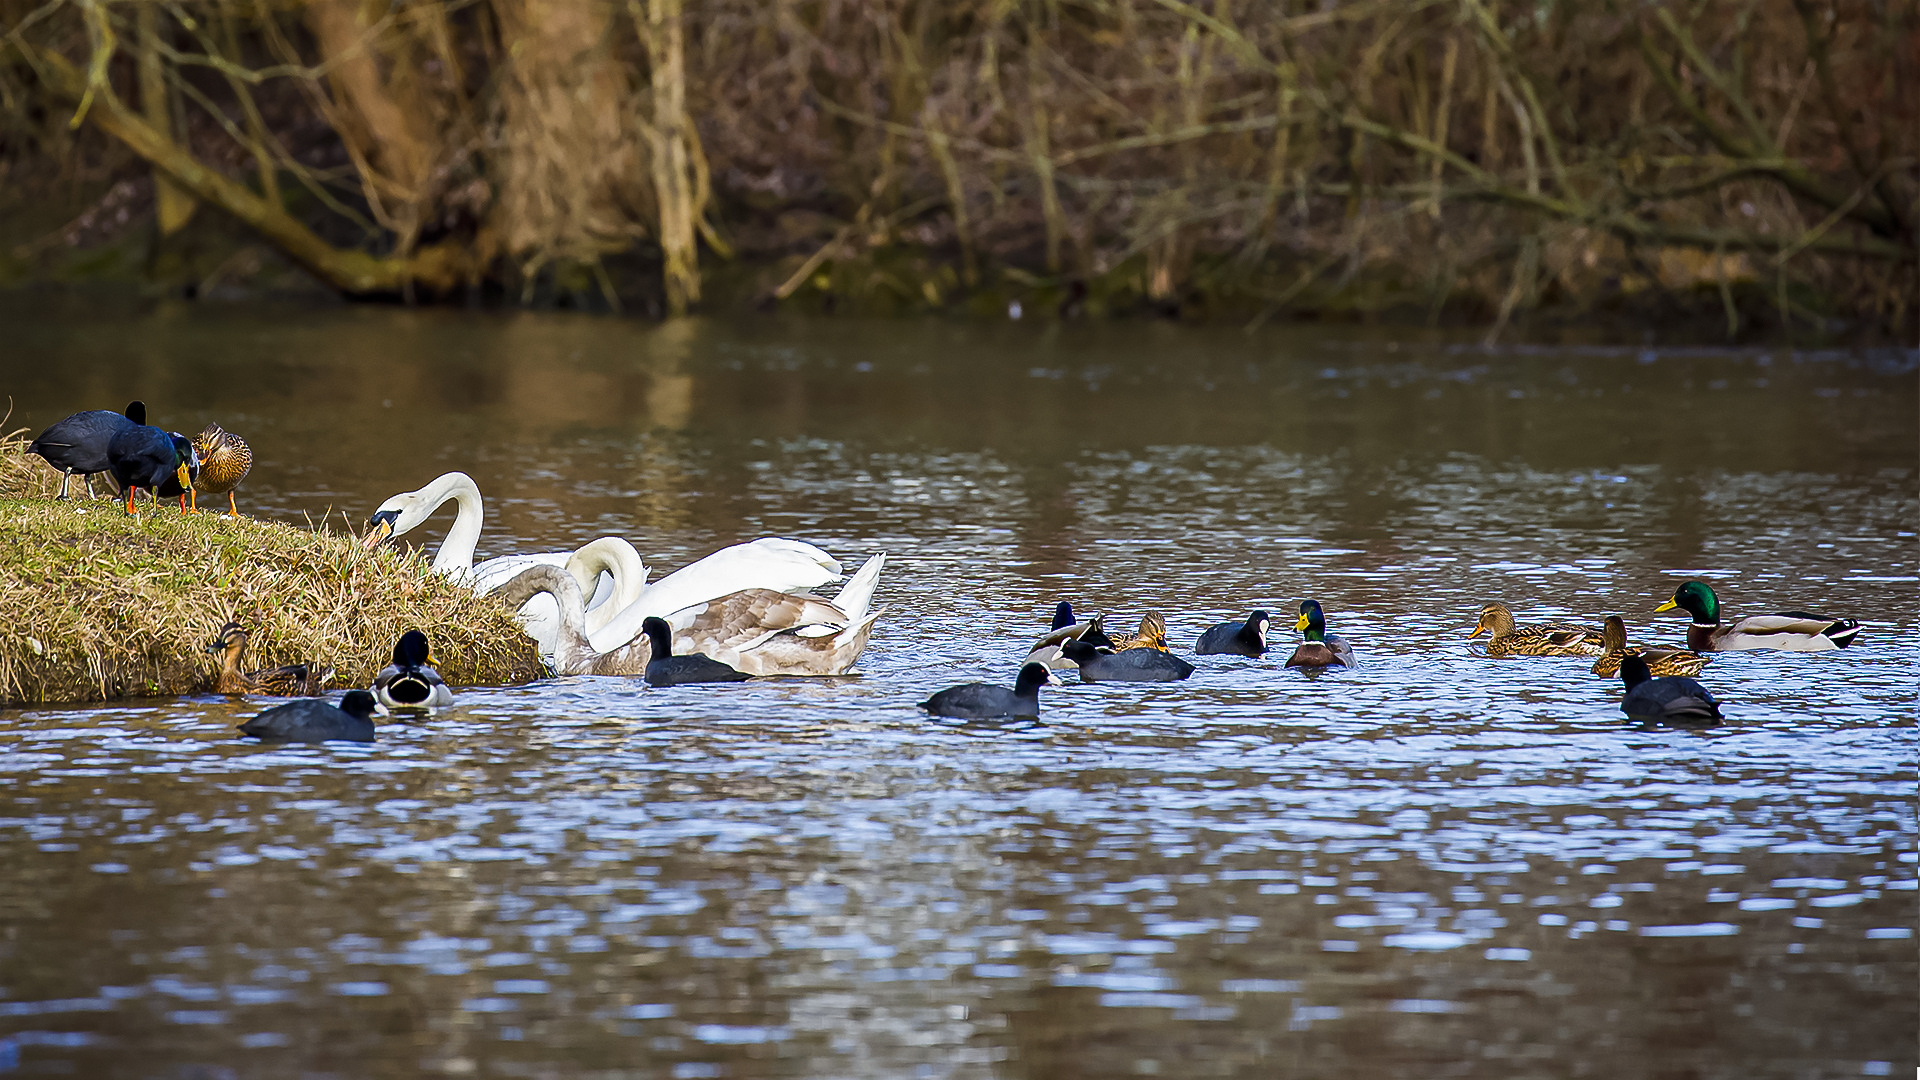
(1752, 162)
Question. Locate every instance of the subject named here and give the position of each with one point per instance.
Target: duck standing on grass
(317, 721)
(1789, 631)
(410, 682)
(225, 460)
(147, 457)
(1672, 700)
(1660, 660)
(1506, 639)
(77, 446)
(292, 680)
(666, 669)
(1318, 649)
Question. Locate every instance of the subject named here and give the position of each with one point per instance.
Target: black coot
(1247, 638)
(1133, 665)
(312, 720)
(1675, 699)
(985, 701)
(666, 669)
(77, 446)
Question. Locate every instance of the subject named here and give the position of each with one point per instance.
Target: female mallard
(1152, 635)
(1792, 631)
(1319, 649)
(293, 680)
(410, 682)
(1510, 640)
(1661, 660)
(225, 460)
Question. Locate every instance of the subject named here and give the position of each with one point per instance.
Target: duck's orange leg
(232, 507)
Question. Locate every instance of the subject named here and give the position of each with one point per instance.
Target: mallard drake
(410, 682)
(1318, 649)
(292, 680)
(225, 460)
(1245, 638)
(77, 446)
(1791, 631)
(1065, 628)
(1672, 700)
(757, 631)
(317, 721)
(139, 456)
(1506, 639)
(1152, 635)
(985, 701)
(666, 669)
(1099, 665)
(1660, 660)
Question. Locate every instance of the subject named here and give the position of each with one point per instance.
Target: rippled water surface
(1436, 865)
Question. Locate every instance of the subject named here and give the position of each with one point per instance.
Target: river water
(1435, 865)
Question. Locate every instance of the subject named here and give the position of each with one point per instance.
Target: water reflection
(1437, 863)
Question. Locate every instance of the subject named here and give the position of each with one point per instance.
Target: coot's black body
(666, 669)
(1248, 638)
(410, 682)
(985, 701)
(1133, 665)
(312, 720)
(1674, 699)
(77, 446)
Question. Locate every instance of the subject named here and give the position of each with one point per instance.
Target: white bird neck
(456, 551)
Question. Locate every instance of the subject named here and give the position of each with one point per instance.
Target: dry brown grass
(98, 605)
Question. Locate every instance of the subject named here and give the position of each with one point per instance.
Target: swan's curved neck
(456, 551)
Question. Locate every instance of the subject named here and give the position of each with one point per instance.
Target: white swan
(593, 566)
(770, 562)
(756, 631)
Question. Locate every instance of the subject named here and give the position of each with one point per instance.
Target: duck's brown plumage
(225, 460)
(292, 680)
(1152, 635)
(1660, 659)
(1506, 639)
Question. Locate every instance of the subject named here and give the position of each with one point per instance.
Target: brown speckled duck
(1660, 659)
(1506, 639)
(225, 460)
(293, 680)
(1152, 635)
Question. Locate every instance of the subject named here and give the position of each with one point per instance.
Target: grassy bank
(98, 605)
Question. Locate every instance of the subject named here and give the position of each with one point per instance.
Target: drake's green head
(1312, 621)
(1697, 599)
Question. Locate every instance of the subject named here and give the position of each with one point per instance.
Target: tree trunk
(173, 207)
(674, 185)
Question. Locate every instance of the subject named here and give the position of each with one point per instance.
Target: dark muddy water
(1436, 865)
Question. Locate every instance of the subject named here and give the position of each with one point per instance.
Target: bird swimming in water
(666, 669)
(410, 682)
(1128, 665)
(1661, 659)
(1152, 635)
(312, 720)
(1245, 638)
(1789, 631)
(292, 680)
(1318, 649)
(1506, 639)
(77, 446)
(985, 701)
(225, 460)
(1672, 700)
